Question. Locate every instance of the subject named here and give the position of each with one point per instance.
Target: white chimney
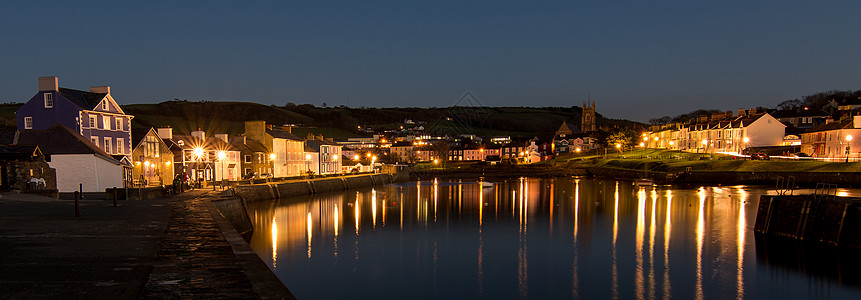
(165, 133)
(222, 136)
(199, 134)
(48, 83)
(101, 89)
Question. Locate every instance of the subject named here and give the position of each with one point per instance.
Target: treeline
(815, 102)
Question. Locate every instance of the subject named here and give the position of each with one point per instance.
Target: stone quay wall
(821, 218)
(274, 190)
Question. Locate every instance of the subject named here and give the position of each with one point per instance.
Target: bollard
(115, 196)
(77, 204)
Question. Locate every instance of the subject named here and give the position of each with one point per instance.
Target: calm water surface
(540, 239)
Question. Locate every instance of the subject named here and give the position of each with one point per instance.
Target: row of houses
(86, 137)
(813, 133)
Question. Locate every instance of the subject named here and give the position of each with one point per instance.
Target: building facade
(93, 114)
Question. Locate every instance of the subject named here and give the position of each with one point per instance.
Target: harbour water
(535, 238)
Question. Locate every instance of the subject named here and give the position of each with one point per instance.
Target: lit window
(28, 122)
(49, 100)
(120, 143)
(108, 145)
(106, 122)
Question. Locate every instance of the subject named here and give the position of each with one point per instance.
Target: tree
(624, 137)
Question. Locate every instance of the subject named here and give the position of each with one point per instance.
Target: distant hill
(340, 122)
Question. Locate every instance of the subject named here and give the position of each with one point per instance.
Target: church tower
(588, 122)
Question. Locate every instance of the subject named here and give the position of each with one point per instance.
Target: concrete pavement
(162, 248)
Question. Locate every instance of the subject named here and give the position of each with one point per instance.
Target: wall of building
(94, 173)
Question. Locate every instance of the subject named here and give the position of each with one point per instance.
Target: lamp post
(198, 154)
(308, 165)
(848, 144)
(221, 156)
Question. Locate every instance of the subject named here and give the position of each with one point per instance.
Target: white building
(79, 163)
(721, 132)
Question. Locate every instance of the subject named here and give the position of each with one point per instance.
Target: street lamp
(221, 156)
(619, 147)
(308, 165)
(848, 144)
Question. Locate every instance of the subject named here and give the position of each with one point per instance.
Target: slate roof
(138, 134)
(19, 152)
(85, 100)
(833, 126)
(7, 136)
(792, 113)
(250, 145)
(282, 134)
(59, 139)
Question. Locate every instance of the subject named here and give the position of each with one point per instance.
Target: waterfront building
(403, 151)
(92, 114)
(256, 159)
(835, 140)
(152, 158)
(512, 151)
(328, 154)
(202, 158)
(720, 132)
(77, 161)
(288, 149)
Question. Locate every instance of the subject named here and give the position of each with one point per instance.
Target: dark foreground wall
(821, 218)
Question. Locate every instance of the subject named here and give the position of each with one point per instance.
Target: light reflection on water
(531, 238)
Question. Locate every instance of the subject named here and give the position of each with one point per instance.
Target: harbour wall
(820, 218)
(275, 190)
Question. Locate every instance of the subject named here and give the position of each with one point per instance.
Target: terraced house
(93, 114)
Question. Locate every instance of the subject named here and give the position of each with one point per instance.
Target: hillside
(340, 122)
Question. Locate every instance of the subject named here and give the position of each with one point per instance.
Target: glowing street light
(198, 152)
(272, 156)
(221, 156)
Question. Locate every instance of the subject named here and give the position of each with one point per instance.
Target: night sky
(638, 59)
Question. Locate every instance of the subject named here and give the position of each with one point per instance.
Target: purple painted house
(94, 115)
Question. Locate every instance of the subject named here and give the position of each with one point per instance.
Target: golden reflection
(639, 289)
(741, 231)
(384, 212)
(667, 230)
(480, 206)
(435, 197)
(522, 264)
(336, 221)
(335, 239)
(614, 269)
(274, 243)
(373, 208)
(309, 234)
(575, 280)
(551, 207)
(700, 236)
(652, 245)
(356, 212)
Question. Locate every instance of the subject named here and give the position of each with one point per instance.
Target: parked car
(800, 154)
(759, 156)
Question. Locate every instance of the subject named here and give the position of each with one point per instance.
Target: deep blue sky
(639, 59)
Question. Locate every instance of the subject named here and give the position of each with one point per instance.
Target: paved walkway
(161, 248)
